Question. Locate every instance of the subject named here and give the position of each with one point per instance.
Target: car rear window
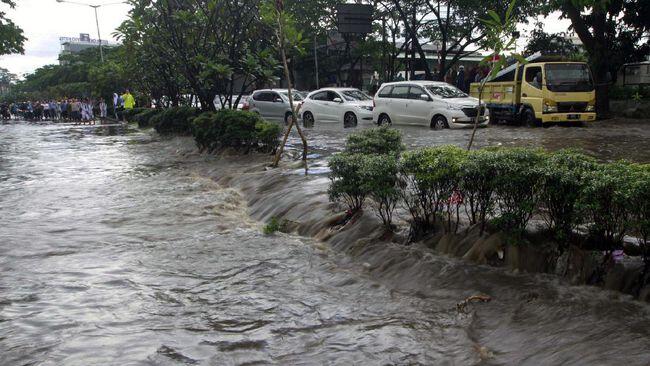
(385, 92)
(319, 96)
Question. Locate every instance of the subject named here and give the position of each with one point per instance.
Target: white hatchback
(426, 103)
(347, 105)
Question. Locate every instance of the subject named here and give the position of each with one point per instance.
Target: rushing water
(117, 250)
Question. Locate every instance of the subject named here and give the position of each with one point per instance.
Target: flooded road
(117, 250)
(607, 140)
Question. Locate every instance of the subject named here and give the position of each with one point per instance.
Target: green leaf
(494, 16)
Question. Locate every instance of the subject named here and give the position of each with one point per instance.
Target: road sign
(354, 18)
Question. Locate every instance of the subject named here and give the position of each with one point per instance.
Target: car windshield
(355, 95)
(296, 95)
(568, 78)
(446, 91)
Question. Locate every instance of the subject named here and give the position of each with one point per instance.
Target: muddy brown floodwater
(607, 140)
(122, 249)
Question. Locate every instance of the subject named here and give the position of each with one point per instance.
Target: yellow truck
(540, 92)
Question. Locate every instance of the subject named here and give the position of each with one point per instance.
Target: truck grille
(568, 107)
(471, 112)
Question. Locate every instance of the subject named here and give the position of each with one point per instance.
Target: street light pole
(95, 7)
(101, 50)
(316, 60)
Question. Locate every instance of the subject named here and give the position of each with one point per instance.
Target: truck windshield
(445, 91)
(568, 78)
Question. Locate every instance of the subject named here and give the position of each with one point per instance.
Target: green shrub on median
(504, 187)
(174, 121)
(380, 175)
(127, 114)
(349, 185)
(564, 174)
(240, 130)
(607, 199)
(357, 177)
(478, 183)
(430, 182)
(382, 140)
(268, 136)
(640, 209)
(368, 169)
(144, 117)
(518, 187)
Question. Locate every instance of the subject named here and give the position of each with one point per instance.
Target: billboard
(636, 74)
(354, 18)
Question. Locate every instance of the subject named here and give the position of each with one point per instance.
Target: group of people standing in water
(84, 110)
(67, 110)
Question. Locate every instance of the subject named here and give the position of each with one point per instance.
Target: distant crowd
(69, 110)
(83, 111)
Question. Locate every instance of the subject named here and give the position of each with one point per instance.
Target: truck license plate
(573, 116)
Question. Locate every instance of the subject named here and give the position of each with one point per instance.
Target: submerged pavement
(117, 249)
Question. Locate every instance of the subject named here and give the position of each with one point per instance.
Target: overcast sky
(44, 21)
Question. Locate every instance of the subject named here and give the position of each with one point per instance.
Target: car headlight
(549, 108)
(454, 107)
(368, 108)
(590, 108)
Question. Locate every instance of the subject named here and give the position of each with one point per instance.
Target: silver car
(273, 104)
(218, 99)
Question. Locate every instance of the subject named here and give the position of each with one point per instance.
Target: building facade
(72, 45)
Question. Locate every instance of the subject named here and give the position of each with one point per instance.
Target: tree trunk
(294, 117)
(602, 81)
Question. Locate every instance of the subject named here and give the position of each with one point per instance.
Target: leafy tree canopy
(11, 36)
(550, 44)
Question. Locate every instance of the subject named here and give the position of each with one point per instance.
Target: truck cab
(541, 92)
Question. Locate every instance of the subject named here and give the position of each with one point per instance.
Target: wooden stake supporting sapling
(287, 34)
(500, 38)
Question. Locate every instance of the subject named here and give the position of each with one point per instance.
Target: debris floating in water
(462, 306)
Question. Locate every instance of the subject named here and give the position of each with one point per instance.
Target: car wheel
(529, 118)
(308, 119)
(439, 123)
(349, 120)
(287, 118)
(384, 120)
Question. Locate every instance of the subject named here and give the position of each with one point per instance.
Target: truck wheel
(529, 119)
(493, 118)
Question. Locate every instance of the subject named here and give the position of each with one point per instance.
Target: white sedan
(426, 103)
(347, 105)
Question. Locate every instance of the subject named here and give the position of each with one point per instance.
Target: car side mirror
(337, 100)
(424, 97)
(277, 100)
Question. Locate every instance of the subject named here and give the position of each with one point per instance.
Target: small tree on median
(288, 37)
(500, 40)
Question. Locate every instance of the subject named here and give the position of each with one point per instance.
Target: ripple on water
(129, 256)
